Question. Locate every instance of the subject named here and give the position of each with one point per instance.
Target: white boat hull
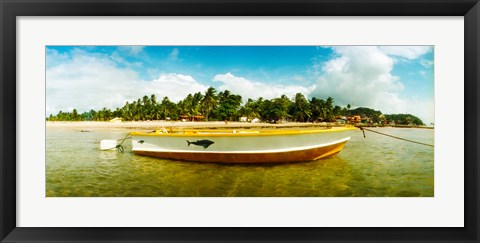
(243, 146)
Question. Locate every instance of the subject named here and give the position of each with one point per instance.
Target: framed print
(278, 81)
(249, 134)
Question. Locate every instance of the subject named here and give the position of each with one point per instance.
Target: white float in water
(108, 145)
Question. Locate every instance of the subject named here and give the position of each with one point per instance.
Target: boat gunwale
(239, 133)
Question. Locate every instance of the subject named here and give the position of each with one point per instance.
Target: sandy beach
(144, 125)
(151, 125)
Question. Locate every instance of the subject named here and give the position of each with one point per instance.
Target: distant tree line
(404, 119)
(225, 106)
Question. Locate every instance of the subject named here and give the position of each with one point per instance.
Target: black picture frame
(10, 9)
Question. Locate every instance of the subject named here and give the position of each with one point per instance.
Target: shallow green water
(375, 166)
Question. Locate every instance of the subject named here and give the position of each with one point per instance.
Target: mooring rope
(119, 147)
(388, 135)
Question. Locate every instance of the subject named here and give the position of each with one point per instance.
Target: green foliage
(229, 106)
(300, 108)
(404, 119)
(226, 106)
(251, 109)
(209, 102)
(323, 110)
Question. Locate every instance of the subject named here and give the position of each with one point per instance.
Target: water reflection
(108, 155)
(375, 166)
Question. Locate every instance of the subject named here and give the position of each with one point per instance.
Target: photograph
(239, 121)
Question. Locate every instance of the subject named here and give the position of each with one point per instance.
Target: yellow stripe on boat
(239, 132)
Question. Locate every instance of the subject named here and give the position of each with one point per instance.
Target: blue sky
(393, 79)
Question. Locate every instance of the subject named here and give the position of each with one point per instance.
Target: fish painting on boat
(204, 143)
(242, 146)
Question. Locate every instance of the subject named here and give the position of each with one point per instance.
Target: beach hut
(191, 118)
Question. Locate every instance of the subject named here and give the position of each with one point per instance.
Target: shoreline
(136, 125)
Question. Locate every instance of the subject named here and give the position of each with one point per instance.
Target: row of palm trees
(213, 105)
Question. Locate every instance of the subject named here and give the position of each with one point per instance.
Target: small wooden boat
(242, 146)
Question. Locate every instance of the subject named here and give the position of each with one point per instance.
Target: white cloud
(409, 52)
(426, 63)
(251, 89)
(131, 50)
(423, 109)
(175, 86)
(53, 57)
(361, 76)
(88, 81)
(92, 81)
(174, 54)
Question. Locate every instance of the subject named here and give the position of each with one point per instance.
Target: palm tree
(75, 116)
(209, 102)
(250, 109)
(301, 108)
(153, 108)
(187, 105)
(147, 108)
(329, 109)
(317, 109)
(167, 108)
(136, 110)
(197, 98)
(153, 99)
(228, 105)
(279, 108)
